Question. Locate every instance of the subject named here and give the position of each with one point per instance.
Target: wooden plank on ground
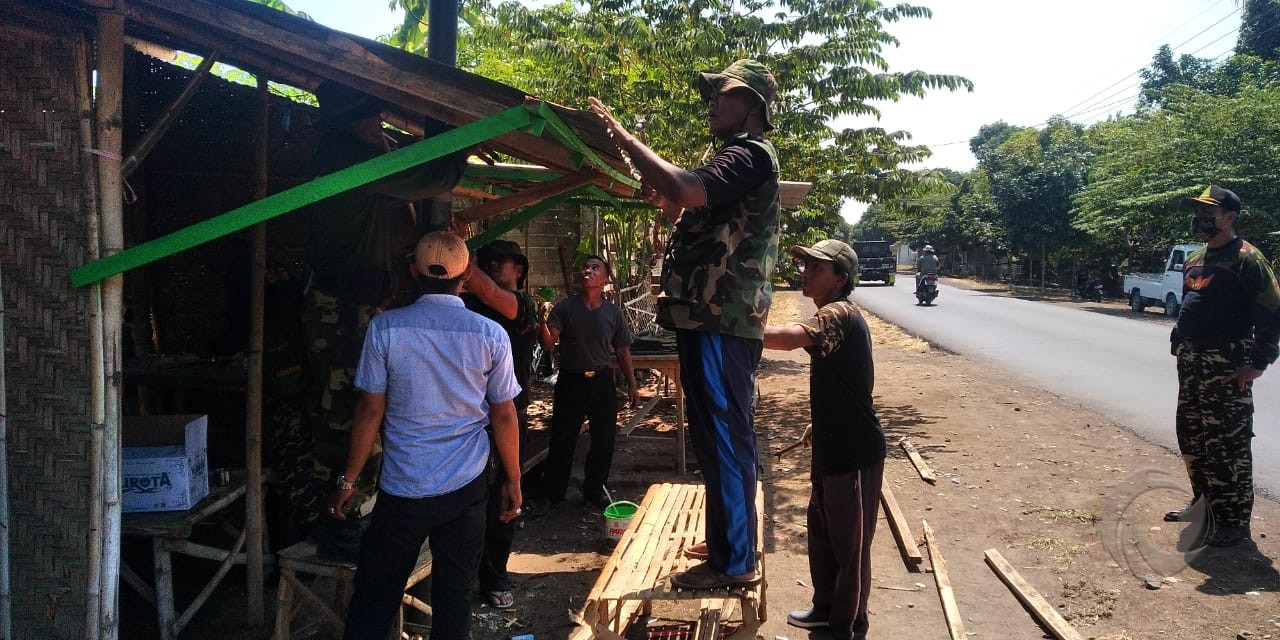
(922, 467)
(1040, 608)
(644, 411)
(900, 528)
(955, 625)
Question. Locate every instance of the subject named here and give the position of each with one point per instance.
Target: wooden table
(669, 365)
(169, 532)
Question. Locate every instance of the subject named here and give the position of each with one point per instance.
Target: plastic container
(617, 517)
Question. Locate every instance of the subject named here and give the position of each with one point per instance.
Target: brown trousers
(842, 522)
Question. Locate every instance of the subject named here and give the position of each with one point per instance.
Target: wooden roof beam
(526, 197)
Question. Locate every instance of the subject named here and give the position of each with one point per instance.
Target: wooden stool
(293, 594)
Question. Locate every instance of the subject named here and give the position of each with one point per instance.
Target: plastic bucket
(617, 517)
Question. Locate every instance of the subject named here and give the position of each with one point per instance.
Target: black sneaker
(808, 619)
(1227, 536)
(1177, 514)
(539, 508)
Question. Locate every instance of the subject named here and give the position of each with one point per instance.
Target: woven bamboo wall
(46, 337)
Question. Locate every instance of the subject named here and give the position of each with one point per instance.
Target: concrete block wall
(542, 237)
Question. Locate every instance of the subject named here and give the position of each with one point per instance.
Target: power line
(1157, 41)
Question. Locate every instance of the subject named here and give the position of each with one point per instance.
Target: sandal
(704, 578)
(697, 551)
(500, 599)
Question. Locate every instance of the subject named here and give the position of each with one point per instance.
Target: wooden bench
(639, 571)
(293, 594)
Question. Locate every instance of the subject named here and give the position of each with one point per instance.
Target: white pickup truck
(1160, 288)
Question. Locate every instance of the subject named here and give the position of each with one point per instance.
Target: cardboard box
(165, 463)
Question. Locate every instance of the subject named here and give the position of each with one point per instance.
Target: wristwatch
(343, 485)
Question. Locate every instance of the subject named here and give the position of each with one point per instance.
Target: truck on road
(876, 261)
(1161, 288)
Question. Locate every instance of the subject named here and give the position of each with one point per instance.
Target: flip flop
(697, 551)
(704, 578)
(500, 599)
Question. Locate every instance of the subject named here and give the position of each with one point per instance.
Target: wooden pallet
(638, 572)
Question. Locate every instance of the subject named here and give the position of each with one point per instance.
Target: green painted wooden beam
(463, 137)
(569, 139)
(529, 213)
(531, 174)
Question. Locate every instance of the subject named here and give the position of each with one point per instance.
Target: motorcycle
(927, 289)
(1088, 290)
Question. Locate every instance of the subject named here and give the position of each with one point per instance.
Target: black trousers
(453, 524)
(842, 522)
(577, 397)
(498, 535)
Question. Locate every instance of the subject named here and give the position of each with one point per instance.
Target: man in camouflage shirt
(715, 295)
(1226, 335)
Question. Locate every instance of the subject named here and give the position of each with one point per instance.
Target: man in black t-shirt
(848, 443)
(495, 290)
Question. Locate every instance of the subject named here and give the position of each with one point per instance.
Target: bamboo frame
(170, 116)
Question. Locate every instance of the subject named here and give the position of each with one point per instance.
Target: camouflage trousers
(334, 335)
(1215, 428)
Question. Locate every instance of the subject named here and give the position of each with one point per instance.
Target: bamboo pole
(6, 624)
(97, 376)
(170, 116)
(110, 138)
(253, 395)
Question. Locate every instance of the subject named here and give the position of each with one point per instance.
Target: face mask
(1204, 227)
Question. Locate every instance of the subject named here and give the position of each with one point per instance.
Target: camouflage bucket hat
(744, 73)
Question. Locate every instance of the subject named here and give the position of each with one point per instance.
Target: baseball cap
(442, 255)
(830, 251)
(744, 73)
(501, 249)
(1219, 197)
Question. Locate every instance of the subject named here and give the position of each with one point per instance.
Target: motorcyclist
(927, 263)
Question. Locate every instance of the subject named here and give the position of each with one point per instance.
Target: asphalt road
(1100, 356)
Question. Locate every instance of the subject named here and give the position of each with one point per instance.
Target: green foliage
(1033, 175)
(640, 57)
(1145, 165)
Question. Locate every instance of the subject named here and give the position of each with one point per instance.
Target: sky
(1028, 59)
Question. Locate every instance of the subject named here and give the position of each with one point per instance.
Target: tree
(1260, 29)
(1164, 72)
(640, 56)
(1033, 175)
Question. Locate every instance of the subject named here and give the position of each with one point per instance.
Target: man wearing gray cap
(432, 376)
(848, 443)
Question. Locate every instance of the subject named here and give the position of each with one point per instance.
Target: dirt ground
(1021, 471)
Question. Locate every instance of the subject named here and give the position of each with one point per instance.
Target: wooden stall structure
(74, 164)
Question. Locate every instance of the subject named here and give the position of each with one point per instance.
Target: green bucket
(617, 517)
